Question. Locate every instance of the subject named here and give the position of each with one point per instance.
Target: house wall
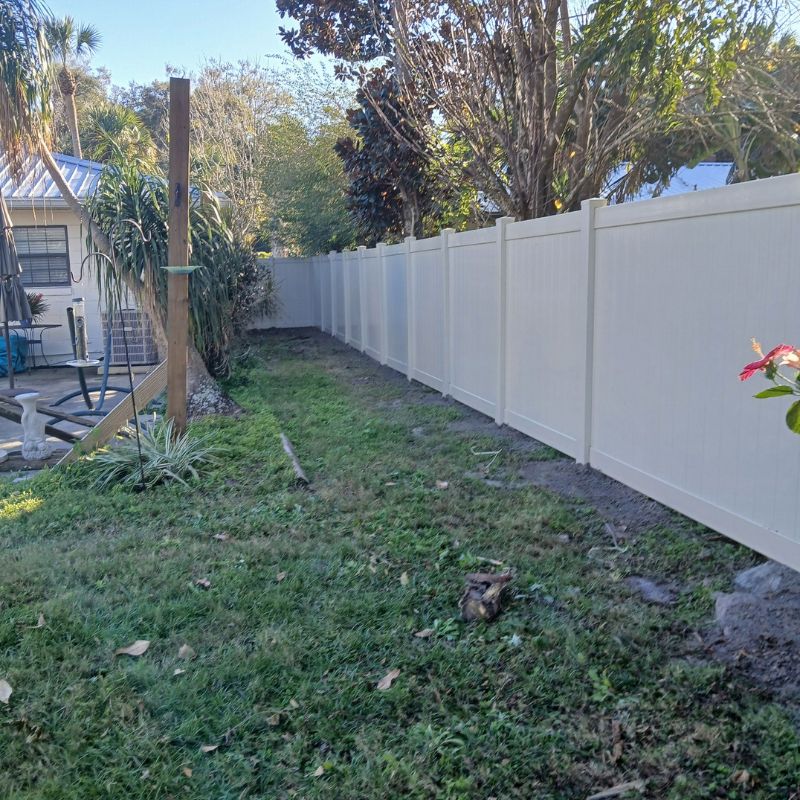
(614, 334)
(56, 342)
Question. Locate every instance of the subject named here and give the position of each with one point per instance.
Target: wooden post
(178, 252)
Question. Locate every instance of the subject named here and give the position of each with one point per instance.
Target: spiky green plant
(165, 457)
(132, 209)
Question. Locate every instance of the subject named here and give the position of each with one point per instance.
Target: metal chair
(92, 409)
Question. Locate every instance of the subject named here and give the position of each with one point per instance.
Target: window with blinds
(43, 254)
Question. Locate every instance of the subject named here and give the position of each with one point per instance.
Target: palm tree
(25, 129)
(112, 132)
(69, 41)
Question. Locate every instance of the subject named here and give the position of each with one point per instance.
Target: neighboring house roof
(36, 187)
(705, 175)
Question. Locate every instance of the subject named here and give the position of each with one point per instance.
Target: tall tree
(68, 42)
(150, 103)
(306, 185)
(233, 106)
(546, 104)
(387, 162)
(115, 133)
(756, 121)
(361, 35)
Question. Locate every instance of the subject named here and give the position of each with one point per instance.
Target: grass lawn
(578, 686)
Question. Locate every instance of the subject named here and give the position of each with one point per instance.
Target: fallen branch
(298, 469)
(616, 791)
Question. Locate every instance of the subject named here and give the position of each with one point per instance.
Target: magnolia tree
(769, 365)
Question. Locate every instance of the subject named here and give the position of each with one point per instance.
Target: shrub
(165, 458)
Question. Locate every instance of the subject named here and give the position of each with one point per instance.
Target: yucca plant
(159, 456)
(132, 209)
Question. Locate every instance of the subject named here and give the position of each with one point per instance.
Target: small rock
(651, 591)
(418, 432)
(727, 602)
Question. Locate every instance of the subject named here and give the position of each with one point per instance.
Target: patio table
(29, 331)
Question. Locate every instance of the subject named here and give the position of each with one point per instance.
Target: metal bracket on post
(410, 313)
(446, 321)
(587, 291)
(502, 302)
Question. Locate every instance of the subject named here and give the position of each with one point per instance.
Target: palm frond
(25, 109)
(87, 40)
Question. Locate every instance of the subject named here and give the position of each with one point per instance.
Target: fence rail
(613, 333)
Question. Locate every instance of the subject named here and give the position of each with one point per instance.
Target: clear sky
(141, 36)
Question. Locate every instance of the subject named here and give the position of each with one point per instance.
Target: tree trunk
(67, 85)
(213, 400)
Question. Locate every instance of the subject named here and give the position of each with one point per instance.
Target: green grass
(285, 671)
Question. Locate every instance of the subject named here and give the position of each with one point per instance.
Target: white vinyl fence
(614, 334)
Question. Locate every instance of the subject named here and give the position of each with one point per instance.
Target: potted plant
(39, 308)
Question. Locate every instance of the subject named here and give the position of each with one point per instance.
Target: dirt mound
(758, 628)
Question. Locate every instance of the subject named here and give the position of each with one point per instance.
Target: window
(43, 254)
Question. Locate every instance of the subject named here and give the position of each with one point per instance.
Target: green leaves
(793, 417)
(774, 391)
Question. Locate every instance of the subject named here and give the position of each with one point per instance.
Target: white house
(51, 245)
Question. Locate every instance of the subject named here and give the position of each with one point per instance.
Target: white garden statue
(35, 446)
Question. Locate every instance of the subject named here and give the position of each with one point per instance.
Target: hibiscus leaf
(793, 417)
(774, 391)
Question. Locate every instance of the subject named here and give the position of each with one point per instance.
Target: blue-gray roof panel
(36, 187)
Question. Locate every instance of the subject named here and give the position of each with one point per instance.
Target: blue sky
(141, 37)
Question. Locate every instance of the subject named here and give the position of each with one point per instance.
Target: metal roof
(36, 187)
(705, 175)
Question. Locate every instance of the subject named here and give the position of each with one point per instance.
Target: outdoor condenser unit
(139, 333)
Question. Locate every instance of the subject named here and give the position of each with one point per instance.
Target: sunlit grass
(18, 504)
(295, 605)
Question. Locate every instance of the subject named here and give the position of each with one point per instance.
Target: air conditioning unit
(139, 334)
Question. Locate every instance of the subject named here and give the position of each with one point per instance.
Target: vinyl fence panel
(338, 295)
(543, 342)
(428, 284)
(614, 334)
(373, 303)
(682, 285)
(473, 319)
(396, 308)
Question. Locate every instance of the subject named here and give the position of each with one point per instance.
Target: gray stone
(759, 624)
(651, 591)
(768, 578)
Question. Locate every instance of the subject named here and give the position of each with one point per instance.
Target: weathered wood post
(178, 252)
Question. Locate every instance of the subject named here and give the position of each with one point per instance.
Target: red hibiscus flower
(763, 363)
